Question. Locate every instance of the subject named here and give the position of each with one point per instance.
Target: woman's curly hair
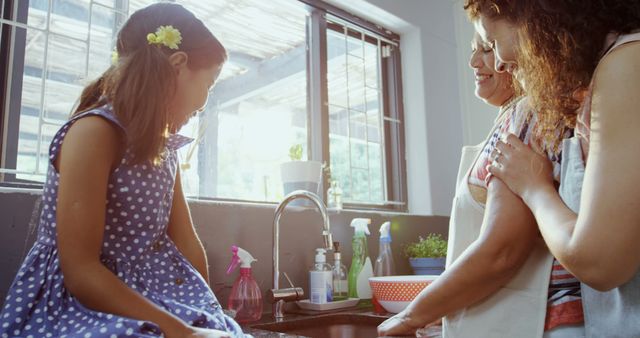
(560, 45)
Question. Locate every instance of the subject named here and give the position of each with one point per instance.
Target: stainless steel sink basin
(337, 325)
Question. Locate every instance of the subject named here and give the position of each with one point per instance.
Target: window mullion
(318, 114)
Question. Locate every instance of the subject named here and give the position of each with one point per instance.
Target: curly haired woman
(581, 63)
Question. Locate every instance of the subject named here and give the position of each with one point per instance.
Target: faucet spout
(278, 312)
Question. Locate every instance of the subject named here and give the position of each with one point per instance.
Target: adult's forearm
(476, 275)
(556, 223)
(568, 241)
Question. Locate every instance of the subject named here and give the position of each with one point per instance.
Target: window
(299, 72)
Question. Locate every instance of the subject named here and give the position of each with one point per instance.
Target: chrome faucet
(276, 295)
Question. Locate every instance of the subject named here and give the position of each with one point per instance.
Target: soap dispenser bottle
(340, 290)
(361, 268)
(320, 280)
(245, 298)
(384, 263)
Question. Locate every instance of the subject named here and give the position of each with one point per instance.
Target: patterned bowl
(394, 293)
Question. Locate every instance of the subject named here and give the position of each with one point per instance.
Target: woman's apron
(519, 308)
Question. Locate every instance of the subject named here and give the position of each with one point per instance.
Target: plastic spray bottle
(321, 280)
(361, 268)
(384, 263)
(245, 298)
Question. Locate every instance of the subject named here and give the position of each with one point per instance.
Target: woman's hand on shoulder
(520, 167)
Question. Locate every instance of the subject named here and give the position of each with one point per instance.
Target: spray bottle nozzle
(240, 257)
(235, 260)
(385, 232)
(361, 226)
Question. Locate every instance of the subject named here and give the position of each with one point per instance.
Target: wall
(221, 225)
(477, 116)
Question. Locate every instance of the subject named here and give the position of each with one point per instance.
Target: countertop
(297, 315)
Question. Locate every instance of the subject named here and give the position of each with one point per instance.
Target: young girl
(116, 253)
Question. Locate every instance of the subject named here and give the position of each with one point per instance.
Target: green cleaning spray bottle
(361, 268)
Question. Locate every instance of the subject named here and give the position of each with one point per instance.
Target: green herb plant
(431, 247)
(295, 152)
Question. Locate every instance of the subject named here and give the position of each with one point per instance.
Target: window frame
(394, 164)
(318, 118)
(12, 57)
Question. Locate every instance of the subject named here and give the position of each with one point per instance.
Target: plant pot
(427, 266)
(301, 175)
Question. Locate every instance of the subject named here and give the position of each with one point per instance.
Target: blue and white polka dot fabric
(135, 248)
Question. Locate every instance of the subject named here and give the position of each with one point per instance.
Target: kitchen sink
(337, 325)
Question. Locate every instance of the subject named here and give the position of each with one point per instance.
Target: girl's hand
(400, 324)
(208, 333)
(519, 166)
(195, 332)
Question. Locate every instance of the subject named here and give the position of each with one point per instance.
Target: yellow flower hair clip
(114, 57)
(165, 35)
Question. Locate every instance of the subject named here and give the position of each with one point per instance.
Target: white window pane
(355, 89)
(38, 13)
(376, 177)
(105, 23)
(70, 17)
(258, 109)
(106, 3)
(356, 138)
(371, 64)
(58, 63)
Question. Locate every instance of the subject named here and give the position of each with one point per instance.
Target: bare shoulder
(615, 88)
(93, 136)
(94, 127)
(619, 70)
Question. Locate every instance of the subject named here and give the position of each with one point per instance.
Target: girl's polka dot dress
(136, 248)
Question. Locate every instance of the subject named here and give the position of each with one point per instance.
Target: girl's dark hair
(142, 83)
(560, 45)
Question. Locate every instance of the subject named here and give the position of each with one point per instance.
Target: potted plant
(298, 174)
(427, 256)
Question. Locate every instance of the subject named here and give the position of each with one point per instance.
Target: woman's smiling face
(492, 87)
(502, 37)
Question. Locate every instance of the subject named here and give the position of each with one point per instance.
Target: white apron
(519, 308)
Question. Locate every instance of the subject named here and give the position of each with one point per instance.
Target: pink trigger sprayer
(245, 298)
